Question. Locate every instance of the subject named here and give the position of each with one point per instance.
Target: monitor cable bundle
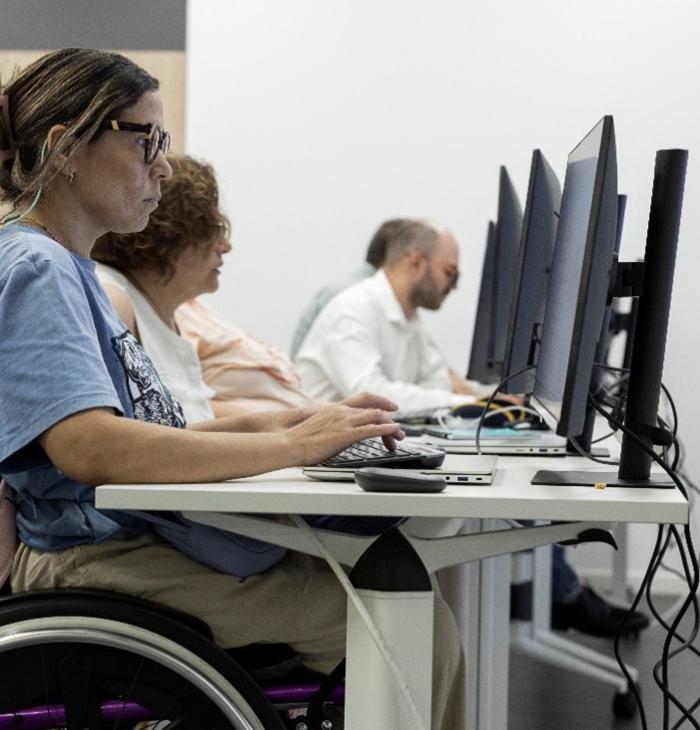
(691, 575)
(490, 400)
(668, 435)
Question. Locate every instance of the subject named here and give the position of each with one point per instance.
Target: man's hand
(459, 385)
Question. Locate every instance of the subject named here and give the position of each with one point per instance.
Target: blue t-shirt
(63, 350)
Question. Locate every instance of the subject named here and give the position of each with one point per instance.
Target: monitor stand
(599, 479)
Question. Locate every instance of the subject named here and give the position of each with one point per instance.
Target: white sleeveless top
(174, 358)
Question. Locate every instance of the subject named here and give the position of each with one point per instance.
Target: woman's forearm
(253, 421)
(96, 447)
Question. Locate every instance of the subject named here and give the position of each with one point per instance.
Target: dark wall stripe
(120, 24)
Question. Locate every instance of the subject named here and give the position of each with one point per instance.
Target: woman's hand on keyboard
(334, 427)
(370, 400)
(275, 421)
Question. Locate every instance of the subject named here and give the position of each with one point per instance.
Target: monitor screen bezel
(568, 415)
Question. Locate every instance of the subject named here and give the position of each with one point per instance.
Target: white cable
(366, 618)
(447, 420)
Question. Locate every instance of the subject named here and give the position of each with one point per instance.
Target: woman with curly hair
(153, 278)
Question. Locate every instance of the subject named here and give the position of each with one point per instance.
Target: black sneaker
(592, 614)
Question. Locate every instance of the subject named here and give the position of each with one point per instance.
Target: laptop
(504, 442)
(424, 458)
(462, 470)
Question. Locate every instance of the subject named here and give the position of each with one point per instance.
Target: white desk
(511, 496)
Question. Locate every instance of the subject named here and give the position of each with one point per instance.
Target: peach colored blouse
(241, 369)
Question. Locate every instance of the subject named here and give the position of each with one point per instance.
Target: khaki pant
(299, 602)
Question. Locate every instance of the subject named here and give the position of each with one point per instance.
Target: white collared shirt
(362, 341)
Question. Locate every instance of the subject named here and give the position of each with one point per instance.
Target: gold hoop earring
(70, 178)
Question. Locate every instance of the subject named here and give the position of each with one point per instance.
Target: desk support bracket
(445, 552)
(436, 553)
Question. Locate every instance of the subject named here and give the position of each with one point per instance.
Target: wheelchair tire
(96, 657)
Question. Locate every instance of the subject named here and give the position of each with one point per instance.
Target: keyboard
(372, 452)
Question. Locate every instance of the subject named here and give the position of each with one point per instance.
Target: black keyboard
(372, 452)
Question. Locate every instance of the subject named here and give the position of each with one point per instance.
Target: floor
(543, 697)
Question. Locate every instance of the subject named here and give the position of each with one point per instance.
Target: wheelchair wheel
(73, 663)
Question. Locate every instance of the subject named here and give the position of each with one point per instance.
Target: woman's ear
(52, 138)
(55, 133)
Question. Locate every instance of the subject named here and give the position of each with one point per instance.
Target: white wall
(325, 117)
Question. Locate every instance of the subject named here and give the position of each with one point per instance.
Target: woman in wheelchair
(82, 152)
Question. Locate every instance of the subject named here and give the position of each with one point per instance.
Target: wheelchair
(72, 659)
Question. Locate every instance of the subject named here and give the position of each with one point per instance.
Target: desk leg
(373, 699)
(395, 590)
(461, 590)
(494, 640)
(479, 595)
(620, 564)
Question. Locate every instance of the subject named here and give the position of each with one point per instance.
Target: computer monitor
(480, 366)
(579, 282)
(532, 271)
(598, 376)
(508, 231)
(496, 288)
(584, 277)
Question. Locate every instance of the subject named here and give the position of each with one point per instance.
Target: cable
(13, 217)
(447, 420)
(490, 401)
(693, 578)
(642, 445)
(603, 438)
(590, 456)
(685, 643)
(663, 683)
(616, 644)
(366, 618)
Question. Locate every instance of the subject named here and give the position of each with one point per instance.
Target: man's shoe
(592, 614)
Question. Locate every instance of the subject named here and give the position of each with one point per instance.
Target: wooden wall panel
(167, 66)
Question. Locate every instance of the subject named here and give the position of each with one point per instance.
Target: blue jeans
(565, 582)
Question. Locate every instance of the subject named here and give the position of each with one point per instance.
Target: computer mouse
(377, 479)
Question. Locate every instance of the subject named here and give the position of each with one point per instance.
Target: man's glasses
(453, 275)
(156, 138)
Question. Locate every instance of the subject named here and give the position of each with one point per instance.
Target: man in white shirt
(374, 258)
(370, 336)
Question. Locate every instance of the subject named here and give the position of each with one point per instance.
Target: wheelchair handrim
(118, 635)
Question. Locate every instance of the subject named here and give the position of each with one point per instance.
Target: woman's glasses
(156, 138)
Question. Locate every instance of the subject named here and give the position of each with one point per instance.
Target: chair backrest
(8, 535)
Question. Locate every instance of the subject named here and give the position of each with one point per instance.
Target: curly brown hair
(188, 215)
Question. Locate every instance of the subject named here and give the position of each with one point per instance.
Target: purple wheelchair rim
(40, 718)
(301, 692)
(47, 716)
